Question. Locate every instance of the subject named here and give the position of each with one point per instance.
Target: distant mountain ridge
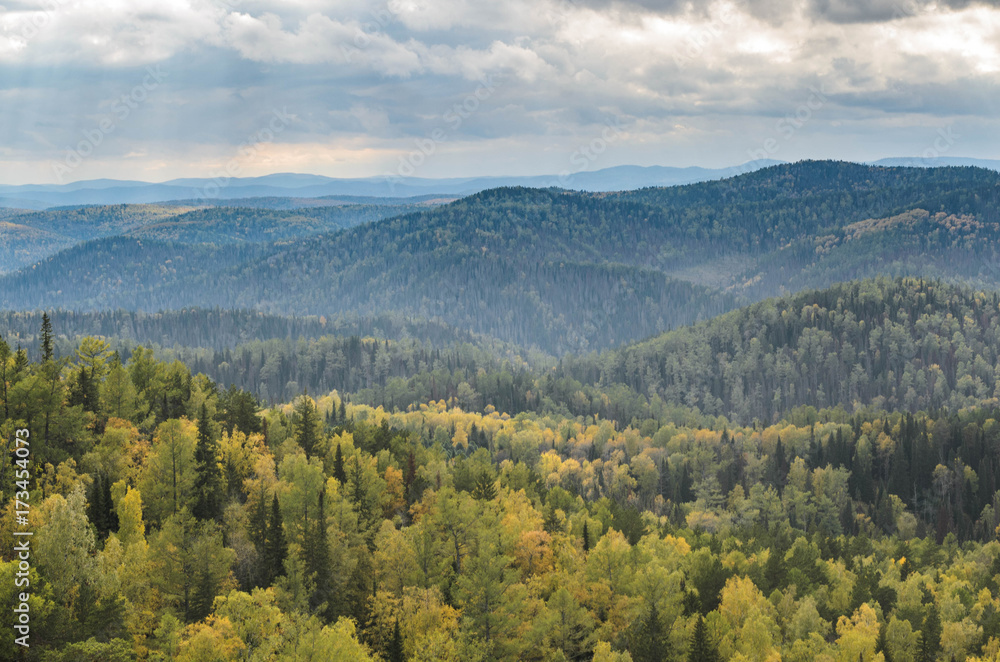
(206, 190)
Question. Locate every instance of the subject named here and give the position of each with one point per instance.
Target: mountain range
(206, 191)
(556, 270)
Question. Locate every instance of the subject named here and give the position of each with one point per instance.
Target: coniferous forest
(750, 420)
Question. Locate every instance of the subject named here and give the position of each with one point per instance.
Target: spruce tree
(702, 649)
(97, 508)
(395, 652)
(46, 345)
(203, 596)
(484, 489)
(208, 476)
(318, 561)
(338, 467)
(779, 462)
(930, 636)
(305, 424)
(275, 546)
(882, 646)
(586, 537)
(649, 639)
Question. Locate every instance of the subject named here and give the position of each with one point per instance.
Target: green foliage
(208, 475)
(440, 531)
(702, 649)
(552, 269)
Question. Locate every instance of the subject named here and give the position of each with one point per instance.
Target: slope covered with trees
(174, 520)
(35, 236)
(561, 271)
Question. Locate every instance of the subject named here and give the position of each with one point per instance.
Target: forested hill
(572, 272)
(904, 344)
(30, 237)
(218, 330)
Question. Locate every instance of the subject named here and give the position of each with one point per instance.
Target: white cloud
(380, 74)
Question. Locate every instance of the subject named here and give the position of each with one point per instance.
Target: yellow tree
(858, 635)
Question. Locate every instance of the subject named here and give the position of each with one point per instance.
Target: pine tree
(97, 508)
(338, 466)
(318, 561)
(275, 546)
(649, 639)
(208, 476)
(586, 537)
(702, 649)
(112, 514)
(484, 489)
(930, 637)
(395, 652)
(780, 470)
(882, 646)
(203, 596)
(46, 346)
(305, 424)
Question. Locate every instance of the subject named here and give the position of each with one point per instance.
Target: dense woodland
(177, 519)
(31, 236)
(554, 270)
(904, 344)
(519, 426)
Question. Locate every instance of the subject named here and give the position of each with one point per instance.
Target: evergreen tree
(484, 489)
(395, 652)
(780, 468)
(84, 390)
(306, 423)
(208, 475)
(586, 537)
(930, 636)
(203, 595)
(649, 638)
(275, 546)
(46, 345)
(881, 645)
(97, 509)
(702, 649)
(338, 466)
(318, 561)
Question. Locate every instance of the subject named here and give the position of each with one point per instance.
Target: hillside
(326, 525)
(563, 271)
(226, 225)
(21, 245)
(903, 344)
(39, 235)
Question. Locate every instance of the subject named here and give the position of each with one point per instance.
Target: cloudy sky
(158, 89)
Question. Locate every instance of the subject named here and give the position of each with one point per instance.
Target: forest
(547, 269)
(584, 509)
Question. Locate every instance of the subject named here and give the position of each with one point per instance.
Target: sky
(159, 89)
